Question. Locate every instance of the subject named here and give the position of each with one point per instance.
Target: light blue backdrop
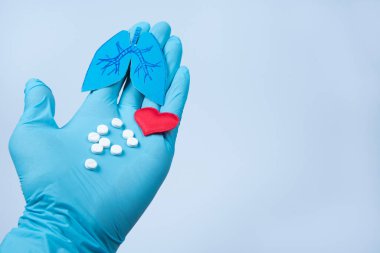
(279, 149)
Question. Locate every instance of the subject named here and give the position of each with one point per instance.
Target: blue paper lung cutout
(148, 68)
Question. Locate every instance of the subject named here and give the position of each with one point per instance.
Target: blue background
(279, 149)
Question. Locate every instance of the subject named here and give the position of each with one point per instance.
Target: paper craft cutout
(152, 121)
(111, 62)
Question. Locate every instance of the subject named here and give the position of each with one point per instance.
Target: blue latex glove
(72, 209)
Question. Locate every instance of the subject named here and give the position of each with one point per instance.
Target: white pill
(116, 150)
(105, 142)
(96, 148)
(90, 164)
(132, 142)
(116, 122)
(102, 129)
(93, 137)
(128, 133)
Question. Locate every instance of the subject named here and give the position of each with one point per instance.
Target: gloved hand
(72, 209)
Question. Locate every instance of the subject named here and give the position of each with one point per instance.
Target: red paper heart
(152, 121)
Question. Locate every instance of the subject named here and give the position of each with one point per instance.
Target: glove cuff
(42, 232)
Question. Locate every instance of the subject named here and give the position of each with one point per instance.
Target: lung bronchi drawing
(114, 62)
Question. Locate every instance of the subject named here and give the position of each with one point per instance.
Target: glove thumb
(39, 105)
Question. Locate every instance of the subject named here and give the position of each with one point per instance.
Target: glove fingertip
(31, 83)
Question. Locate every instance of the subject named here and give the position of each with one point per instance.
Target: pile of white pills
(100, 142)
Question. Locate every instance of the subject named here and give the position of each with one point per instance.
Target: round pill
(102, 129)
(132, 142)
(116, 149)
(93, 137)
(128, 133)
(90, 164)
(116, 122)
(96, 148)
(105, 142)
